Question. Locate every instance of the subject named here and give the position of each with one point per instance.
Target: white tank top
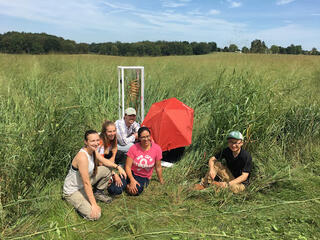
(73, 181)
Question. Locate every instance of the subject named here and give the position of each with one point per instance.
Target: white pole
(142, 94)
(122, 76)
(119, 90)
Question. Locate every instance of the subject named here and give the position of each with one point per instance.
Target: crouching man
(235, 175)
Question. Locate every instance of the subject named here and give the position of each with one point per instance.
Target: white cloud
(111, 21)
(234, 4)
(174, 4)
(195, 12)
(214, 12)
(283, 2)
(289, 34)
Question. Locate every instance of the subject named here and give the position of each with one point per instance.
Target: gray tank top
(73, 181)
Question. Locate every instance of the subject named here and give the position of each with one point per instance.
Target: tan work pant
(225, 175)
(79, 198)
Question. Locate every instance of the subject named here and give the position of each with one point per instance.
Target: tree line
(42, 43)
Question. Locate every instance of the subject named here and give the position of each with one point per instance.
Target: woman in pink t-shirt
(141, 159)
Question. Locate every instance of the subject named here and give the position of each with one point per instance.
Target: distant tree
(225, 49)
(68, 46)
(103, 49)
(36, 48)
(187, 48)
(114, 50)
(299, 49)
(274, 49)
(314, 51)
(258, 46)
(51, 44)
(82, 48)
(233, 48)
(200, 48)
(282, 50)
(213, 46)
(245, 50)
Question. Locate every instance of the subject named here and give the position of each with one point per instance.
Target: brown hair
(95, 160)
(104, 137)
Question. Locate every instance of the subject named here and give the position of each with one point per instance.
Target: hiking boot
(198, 187)
(99, 195)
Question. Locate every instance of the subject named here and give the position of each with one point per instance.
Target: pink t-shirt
(143, 161)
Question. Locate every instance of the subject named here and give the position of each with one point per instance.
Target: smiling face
(145, 138)
(92, 142)
(111, 132)
(129, 119)
(235, 144)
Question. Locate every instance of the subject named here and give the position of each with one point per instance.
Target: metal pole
(122, 77)
(142, 94)
(119, 90)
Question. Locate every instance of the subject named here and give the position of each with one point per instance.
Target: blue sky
(281, 22)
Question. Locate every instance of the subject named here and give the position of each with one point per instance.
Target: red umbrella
(170, 122)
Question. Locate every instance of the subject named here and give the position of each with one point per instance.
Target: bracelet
(117, 166)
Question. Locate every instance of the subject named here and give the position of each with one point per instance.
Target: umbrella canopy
(170, 122)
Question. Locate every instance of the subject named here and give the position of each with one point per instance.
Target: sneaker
(99, 195)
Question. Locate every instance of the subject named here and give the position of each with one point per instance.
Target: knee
(93, 219)
(217, 165)
(86, 213)
(140, 189)
(104, 171)
(237, 188)
(114, 190)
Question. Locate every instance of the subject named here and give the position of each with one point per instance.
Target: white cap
(130, 111)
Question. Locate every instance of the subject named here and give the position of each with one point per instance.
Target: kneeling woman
(141, 159)
(85, 172)
(108, 149)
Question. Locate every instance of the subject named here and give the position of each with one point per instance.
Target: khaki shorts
(225, 175)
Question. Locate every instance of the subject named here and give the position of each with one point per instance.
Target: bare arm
(110, 164)
(132, 185)
(212, 171)
(82, 164)
(240, 179)
(159, 171)
(128, 168)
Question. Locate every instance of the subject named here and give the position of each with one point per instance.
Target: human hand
(135, 135)
(132, 187)
(117, 180)
(95, 212)
(122, 172)
(161, 180)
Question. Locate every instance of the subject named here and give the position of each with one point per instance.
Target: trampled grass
(47, 102)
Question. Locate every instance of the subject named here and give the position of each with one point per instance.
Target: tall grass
(47, 102)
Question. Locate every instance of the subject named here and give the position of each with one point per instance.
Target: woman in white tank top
(85, 172)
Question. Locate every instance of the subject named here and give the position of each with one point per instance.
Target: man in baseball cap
(235, 175)
(127, 130)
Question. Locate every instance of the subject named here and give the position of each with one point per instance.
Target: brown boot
(198, 187)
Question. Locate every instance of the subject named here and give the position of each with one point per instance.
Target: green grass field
(47, 102)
